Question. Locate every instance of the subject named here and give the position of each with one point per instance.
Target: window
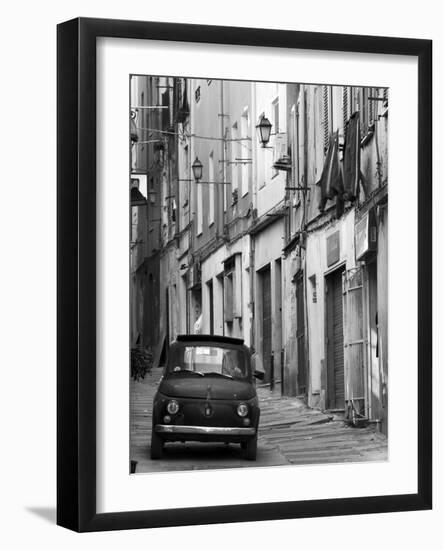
(276, 128)
(372, 94)
(156, 93)
(199, 208)
(229, 296)
(327, 116)
(232, 288)
(346, 105)
(197, 94)
(295, 166)
(245, 152)
(208, 360)
(275, 112)
(318, 146)
(211, 188)
(367, 102)
(234, 152)
(142, 120)
(336, 99)
(184, 188)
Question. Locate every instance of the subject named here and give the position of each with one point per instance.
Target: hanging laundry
(351, 158)
(331, 182)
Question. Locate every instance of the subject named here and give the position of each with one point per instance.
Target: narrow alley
(289, 433)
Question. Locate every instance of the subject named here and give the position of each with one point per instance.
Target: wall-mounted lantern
(197, 169)
(264, 128)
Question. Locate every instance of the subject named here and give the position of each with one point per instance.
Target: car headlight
(242, 409)
(172, 407)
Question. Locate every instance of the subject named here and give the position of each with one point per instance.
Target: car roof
(216, 338)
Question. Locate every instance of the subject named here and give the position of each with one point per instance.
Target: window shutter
(371, 94)
(228, 297)
(237, 288)
(346, 113)
(354, 342)
(325, 118)
(359, 106)
(165, 112)
(385, 97)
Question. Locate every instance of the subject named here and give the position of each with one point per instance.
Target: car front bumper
(204, 433)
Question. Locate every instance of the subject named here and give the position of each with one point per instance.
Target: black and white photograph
(218, 331)
(258, 266)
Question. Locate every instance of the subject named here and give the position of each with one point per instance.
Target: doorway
(266, 321)
(300, 335)
(210, 288)
(335, 398)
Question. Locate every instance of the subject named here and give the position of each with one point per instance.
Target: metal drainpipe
(305, 278)
(190, 151)
(223, 145)
(251, 289)
(220, 203)
(254, 205)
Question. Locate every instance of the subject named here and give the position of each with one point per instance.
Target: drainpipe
(377, 150)
(223, 168)
(303, 227)
(252, 289)
(254, 206)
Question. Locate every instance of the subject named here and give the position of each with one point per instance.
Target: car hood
(207, 387)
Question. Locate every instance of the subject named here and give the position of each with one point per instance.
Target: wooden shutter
(300, 333)
(237, 284)
(334, 341)
(228, 297)
(345, 106)
(354, 342)
(326, 115)
(266, 321)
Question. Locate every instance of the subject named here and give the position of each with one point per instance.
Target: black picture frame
(76, 279)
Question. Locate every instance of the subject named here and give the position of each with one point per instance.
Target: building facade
(280, 241)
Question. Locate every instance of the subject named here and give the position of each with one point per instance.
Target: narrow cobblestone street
(289, 433)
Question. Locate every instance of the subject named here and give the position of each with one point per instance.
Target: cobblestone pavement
(289, 433)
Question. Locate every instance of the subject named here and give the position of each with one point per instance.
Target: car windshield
(210, 360)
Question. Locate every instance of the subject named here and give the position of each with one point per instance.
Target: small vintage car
(207, 393)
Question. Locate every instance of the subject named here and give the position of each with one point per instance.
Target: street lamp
(264, 127)
(197, 170)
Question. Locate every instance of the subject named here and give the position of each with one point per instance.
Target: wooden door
(334, 341)
(300, 334)
(211, 306)
(266, 321)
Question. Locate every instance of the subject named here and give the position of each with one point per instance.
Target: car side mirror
(259, 374)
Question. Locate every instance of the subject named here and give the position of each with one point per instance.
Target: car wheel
(251, 449)
(156, 446)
